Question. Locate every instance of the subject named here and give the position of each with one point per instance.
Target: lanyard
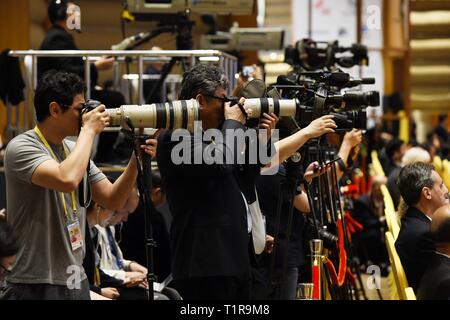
(66, 153)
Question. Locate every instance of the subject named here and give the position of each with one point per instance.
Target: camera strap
(84, 188)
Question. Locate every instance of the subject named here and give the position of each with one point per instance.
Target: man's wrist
(306, 133)
(87, 130)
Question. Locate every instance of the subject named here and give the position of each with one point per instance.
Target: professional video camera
(141, 9)
(312, 55)
(317, 83)
(319, 93)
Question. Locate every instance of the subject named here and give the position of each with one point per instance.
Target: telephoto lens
(281, 107)
(183, 113)
(171, 115)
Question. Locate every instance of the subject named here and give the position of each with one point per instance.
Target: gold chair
(376, 164)
(397, 269)
(437, 162)
(446, 172)
(389, 212)
(410, 295)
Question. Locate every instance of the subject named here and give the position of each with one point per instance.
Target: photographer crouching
(209, 194)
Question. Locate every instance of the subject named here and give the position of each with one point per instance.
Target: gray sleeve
(95, 175)
(22, 158)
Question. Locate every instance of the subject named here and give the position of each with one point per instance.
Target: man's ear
(201, 100)
(426, 193)
(54, 109)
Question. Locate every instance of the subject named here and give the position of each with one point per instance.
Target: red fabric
(352, 223)
(339, 278)
(316, 281)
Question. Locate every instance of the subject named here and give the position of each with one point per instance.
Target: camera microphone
(284, 80)
(131, 41)
(337, 79)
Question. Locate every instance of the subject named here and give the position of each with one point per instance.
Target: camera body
(313, 55)
(321, 92)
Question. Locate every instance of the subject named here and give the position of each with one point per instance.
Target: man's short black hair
(392, 146)
(412, 179)
(56, 86)
(202, 79)
(57, 10)
(8, 240)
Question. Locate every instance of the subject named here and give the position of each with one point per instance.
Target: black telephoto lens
(358, 99)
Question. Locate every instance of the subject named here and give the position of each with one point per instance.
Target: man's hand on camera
(234, 112)
(104, 64)
(267, 123)
(353, 138)
(320, 126)
(314, 170)
(150, 147)
(96, 120)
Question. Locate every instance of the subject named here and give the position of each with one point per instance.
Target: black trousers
(214, 288)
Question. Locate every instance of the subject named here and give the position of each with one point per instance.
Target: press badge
(75, 235)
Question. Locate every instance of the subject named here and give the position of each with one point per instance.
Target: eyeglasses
(222, 99)
(79, 108)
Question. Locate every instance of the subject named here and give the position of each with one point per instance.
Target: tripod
(286, 193)
(327, 211)
(144, 182)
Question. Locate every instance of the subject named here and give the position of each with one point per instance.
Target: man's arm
(313, 170)
(114, 195)
(289, 145)
(351, 140)
(66, 176)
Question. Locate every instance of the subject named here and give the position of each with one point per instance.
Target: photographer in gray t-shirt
(43, 170)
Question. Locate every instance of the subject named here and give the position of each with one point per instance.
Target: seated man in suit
(424, 192)
(435, 283)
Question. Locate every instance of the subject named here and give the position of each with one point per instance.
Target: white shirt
(249, 215)
(108, 262)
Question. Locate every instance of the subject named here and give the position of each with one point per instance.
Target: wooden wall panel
(14, 34)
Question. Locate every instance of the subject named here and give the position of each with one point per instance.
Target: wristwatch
(342, 165)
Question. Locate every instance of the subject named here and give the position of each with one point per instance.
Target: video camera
(317, 83)
(313, 55)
